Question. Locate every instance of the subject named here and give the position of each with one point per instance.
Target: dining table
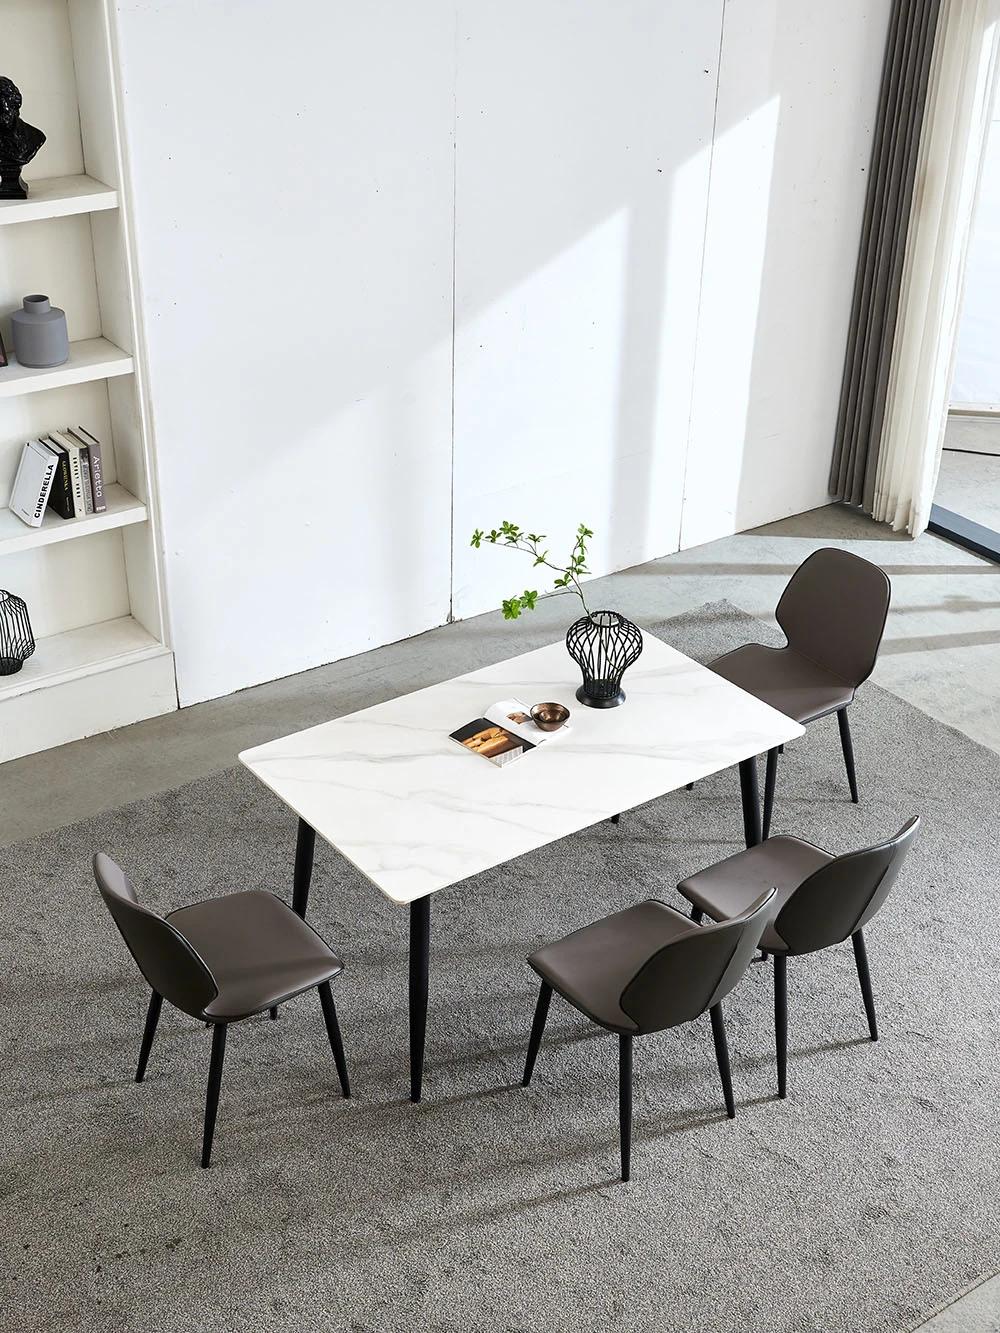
(416, 812)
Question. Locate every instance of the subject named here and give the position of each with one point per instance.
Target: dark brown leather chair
(641, 971)
(833, 615)
(221, 961)
(821, 900)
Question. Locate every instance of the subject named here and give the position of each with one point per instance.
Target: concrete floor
(976, 1310)
(940, 653)
(969, 479)
(969, 484)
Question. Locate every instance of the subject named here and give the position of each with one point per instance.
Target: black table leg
(751, 801)
(420, 948)
(305, 845)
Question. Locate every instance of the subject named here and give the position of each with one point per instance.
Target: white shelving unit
(59, 197)
(89, 359)
(93, 585)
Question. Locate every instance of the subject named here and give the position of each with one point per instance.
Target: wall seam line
(701, 271)
(454, 304)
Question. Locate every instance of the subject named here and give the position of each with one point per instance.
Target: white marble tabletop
(415, 812)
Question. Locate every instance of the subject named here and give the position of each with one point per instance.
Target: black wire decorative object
(604, 645)
(16, 640)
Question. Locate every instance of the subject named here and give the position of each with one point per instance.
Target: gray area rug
(865, 1199)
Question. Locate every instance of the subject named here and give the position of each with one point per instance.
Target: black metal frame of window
(964, 532)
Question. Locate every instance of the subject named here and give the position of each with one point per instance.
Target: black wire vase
(16, 640)
(604, 645)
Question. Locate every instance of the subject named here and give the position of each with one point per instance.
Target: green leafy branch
(531, 543)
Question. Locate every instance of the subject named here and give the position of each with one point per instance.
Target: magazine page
(514, 716)
(493, 742)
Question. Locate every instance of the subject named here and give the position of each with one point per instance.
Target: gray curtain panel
(905, 74)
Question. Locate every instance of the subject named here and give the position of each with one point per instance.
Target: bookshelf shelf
(90, 359)
(122, 510)
(76, 653)
(59, 197)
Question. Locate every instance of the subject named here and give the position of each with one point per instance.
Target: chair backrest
(843, 896)
(833, 611)
(697, 970)
(162, 954)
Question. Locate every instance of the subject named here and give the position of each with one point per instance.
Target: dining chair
(822, 900)
(644, 970)
(221, 961)
(833, 614)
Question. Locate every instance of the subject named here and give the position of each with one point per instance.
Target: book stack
(62, 471)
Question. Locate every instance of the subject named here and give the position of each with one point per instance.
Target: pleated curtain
(952, 150)
(905, 78)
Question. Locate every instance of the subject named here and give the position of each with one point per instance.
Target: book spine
(40, 498)
(97, 476)
(88, 486)
(61, 495)
(76, 471)
(92, 445)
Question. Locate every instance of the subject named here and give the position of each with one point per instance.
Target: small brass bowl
(549, 717)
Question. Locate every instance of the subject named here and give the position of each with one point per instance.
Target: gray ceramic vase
(40, 335)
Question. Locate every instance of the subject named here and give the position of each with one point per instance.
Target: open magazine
(504, 733)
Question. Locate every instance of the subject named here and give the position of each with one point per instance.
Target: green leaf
(477, 537)
(528, 600)
(511, 607)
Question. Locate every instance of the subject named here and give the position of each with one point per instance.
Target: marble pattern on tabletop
(414, 812)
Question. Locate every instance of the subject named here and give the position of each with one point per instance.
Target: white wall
(573, 181)
(798, 92)
(292, 171)
(976, 379)
(583, 136)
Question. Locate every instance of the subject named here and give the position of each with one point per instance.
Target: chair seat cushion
(784, 679)
(729, 887)
(259, 951)
(592, 966)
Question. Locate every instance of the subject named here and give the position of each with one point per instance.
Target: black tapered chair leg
(722, 1058)
(615, 818)
(273, 1011)
(689, 786)
(537, 1029)
(148, 1033)
(770, 781)
(212, 1095)
(864, 977)
(625, 1102)
(781, 1020)
(848, 747)
(333, 1032)
(696, 915)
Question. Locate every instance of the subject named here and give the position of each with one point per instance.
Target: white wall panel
(293, 205)
(583, 135)
(798, 92)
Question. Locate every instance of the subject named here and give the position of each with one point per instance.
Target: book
(96, 457)
(504, 734)
(87, 484)
(61, 494)
(33, 482)
(73, 448)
